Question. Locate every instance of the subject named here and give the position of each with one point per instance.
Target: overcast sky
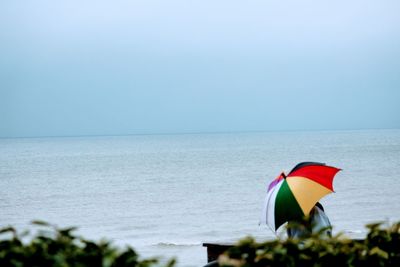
(157, 66)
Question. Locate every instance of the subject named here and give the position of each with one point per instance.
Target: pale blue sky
(156, 66)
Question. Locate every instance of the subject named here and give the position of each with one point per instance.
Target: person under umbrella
(316, 222)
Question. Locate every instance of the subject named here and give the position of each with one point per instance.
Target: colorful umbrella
(291, 197)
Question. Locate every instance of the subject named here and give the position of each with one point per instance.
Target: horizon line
(196, 133)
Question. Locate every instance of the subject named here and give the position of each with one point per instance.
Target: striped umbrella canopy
(291, 197)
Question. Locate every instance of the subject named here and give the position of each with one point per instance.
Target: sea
(166, 195)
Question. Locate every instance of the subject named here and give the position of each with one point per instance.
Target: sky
(72, 68)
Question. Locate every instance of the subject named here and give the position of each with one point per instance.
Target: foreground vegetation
(52, 246)
(381, 247)
(60, 247)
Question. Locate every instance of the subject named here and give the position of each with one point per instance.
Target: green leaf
(7, 230)
(381, 253)
(41, 223)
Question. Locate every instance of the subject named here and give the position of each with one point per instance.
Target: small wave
(354, 231)
(176, 244)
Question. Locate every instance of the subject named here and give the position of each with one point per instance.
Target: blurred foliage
(381, 247)
(52, 246)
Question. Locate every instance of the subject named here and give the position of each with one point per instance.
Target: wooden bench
(214, 250)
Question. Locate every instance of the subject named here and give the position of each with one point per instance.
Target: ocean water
(167, 194)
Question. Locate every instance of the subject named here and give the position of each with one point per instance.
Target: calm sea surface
(165, 195)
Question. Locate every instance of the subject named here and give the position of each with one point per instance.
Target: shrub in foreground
(381, 247)
(55, 247)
